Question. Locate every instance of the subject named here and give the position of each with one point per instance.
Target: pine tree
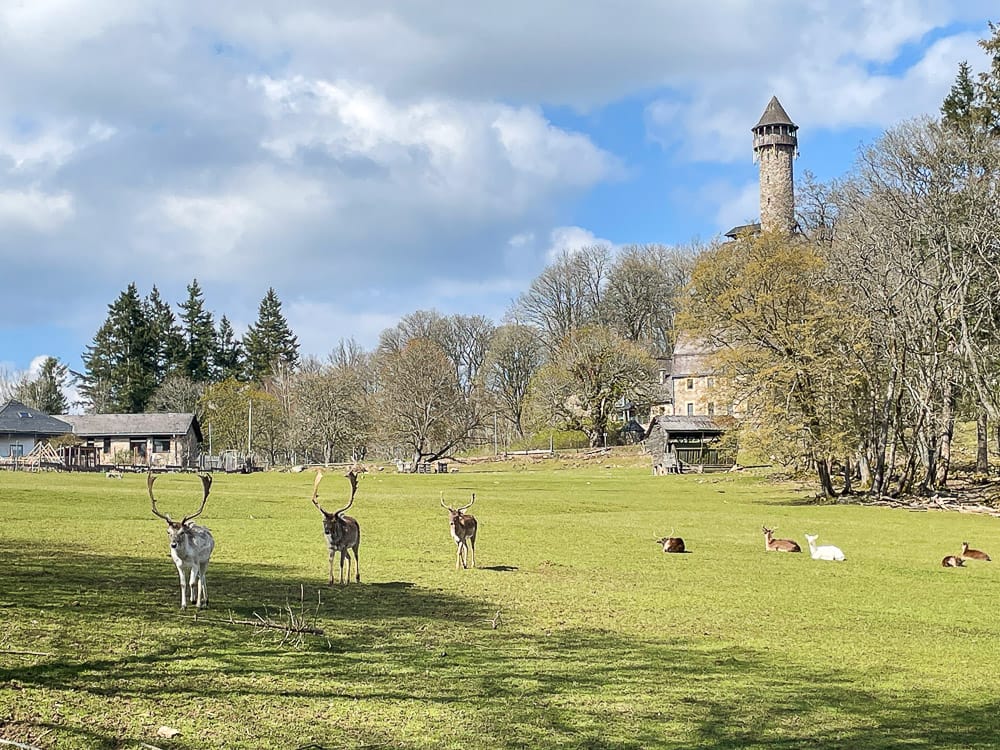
(269, 343)
(959, 109)
(45, 392)
(989, 82)
(120, 364)
(228, 360)
(166, 336)
(199, 335)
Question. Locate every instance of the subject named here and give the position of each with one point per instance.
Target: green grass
(604, 641)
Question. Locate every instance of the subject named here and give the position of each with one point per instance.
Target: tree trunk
(825, 480)
(982, 443)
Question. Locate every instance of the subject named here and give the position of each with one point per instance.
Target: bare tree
(515, 354)
(644, 288)
(419, 401)
(566, 295)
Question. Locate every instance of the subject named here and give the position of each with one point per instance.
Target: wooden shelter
(681, 443)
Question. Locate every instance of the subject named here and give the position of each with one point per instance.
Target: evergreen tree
(228, 360)
(45, 392)
(120, 364)
(166, 336)
(959, 109)
(269, 343)
(989, 83)
(199, 335)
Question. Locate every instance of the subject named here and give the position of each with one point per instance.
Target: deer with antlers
(342, 532)
(190, 546)
(463, 531)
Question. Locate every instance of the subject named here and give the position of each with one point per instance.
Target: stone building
(692, 410)
(775, 146)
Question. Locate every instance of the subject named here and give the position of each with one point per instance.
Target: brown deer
(342, 532)
(190, 546)
(778, 545)
(973, 554)
(671, 543)
(463, 531)
(952, 561)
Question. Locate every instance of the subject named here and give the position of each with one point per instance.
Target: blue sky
(369, 158)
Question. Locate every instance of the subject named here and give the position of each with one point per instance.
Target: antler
(470, 502)
(149, 486)
(206, 483)
(446, 507)
(319, 478)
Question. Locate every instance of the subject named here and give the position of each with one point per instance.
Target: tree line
(579, 342)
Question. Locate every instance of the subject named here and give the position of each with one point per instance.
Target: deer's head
(176, 529)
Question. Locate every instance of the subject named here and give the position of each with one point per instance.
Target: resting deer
(973, 554)
(824, 552)
(778, 545)
(952, 561)
(190, 546)
(463, 531)
(671, 543)
(342, 532)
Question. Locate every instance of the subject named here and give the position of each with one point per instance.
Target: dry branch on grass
(291, 623)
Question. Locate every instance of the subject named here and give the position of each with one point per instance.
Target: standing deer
(463, 531)
(342, 532)
(190, 546)
(778, 545)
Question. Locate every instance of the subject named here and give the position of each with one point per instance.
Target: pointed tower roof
(774, 114)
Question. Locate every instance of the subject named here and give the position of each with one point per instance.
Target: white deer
(824, 552)
(190, 546)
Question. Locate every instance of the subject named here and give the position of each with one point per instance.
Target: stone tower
(775, 145)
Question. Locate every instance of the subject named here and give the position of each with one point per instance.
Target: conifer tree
(45, 392)
(199, 335)
(165, 334)
(269, 343)
(959, 109)
(228, 361)
(120, 363)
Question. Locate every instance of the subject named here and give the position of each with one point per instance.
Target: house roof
(680, 423)
(691, 357)
(16, 418)
(774, 114)
(736, 231)
(132, 425)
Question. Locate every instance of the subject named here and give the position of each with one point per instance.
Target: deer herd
(191, 545)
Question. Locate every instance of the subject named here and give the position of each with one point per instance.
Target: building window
(690, 384)
(663, 377)
(161, 445)
(711, 382)
(107, 445)
(16, 451)
(137, 447)
(690, 410)
(729, 409)
(711, 409)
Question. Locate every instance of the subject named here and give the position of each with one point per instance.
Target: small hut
(680, 443)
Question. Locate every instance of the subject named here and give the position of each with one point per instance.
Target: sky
(370, 158)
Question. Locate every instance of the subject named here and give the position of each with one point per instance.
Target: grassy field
(603, 641)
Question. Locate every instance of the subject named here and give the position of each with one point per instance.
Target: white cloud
(570, 240)
(35, 210)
